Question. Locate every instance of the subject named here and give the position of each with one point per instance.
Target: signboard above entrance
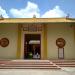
(32, 27)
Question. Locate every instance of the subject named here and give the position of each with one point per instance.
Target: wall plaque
(4, 42)
(60, 42)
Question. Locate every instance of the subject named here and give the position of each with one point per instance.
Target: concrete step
(27, 65)
(65, 63)
(61, 61)
(20, 62)
(24, 62)
(29, 68)
(44, 61)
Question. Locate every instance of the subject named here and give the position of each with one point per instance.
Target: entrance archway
(36, 30)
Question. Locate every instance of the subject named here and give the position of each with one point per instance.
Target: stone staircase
(36, 64)
(27, 64)
(64, 63)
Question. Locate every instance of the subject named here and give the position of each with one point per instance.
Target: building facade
(37, 38)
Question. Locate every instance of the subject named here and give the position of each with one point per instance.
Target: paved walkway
(64, 71)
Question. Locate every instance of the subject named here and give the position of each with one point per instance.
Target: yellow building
(21, 38)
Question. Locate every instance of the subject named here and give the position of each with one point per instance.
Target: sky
(39, 8)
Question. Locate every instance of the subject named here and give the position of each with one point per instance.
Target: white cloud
(3, 13)
(56, 12)
(33, 9)
(27, 12)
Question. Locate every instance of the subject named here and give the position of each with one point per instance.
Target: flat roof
(36, 20)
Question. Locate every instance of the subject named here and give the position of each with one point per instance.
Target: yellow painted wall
(9, 31)
(55, 31)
